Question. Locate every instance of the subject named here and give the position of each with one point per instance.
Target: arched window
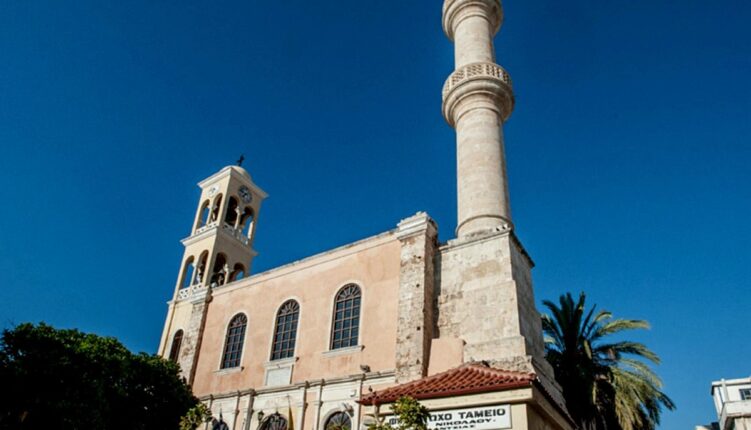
(203, 215)
(201, 268)
(274, 422)
(338, 421)
(233, 346)
(188, 272)
(177, 341)
(237, 273)
(246, 222)
(285, 332)
(216, 208)
(345, 330)
(219, 425)
(220, 270)
(231, 216)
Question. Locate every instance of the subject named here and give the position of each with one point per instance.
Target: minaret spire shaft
(477, 99)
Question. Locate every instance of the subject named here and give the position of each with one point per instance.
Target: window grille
(220, 425)
(233, 346)
(345, 330)
(274, 422)
(338, 421)
(285, 332)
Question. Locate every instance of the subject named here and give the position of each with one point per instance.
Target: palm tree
(606, 385)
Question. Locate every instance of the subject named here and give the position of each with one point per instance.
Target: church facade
(330, 341)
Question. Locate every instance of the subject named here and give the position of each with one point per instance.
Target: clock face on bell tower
(245, 194)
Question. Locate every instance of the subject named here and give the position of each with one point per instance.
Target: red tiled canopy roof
(470, 378)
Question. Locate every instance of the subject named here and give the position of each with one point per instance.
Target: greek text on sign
(485, 418)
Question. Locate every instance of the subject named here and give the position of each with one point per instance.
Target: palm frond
(618, 349)
(606, 384)
(619, 325)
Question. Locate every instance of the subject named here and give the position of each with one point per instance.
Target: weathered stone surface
(417, 235)
(484, 289)
(191, 345)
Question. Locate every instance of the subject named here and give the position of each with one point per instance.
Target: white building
(732, 400)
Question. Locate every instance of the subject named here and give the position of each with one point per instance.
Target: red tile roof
(469, 378)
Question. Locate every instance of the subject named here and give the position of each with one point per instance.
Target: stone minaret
(477, 99)
(484, 287)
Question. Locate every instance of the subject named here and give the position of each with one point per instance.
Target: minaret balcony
(476, 71)
(477, 85)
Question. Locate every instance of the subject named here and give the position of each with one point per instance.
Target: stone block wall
(417, 235)
(485, 298)
(191, 344)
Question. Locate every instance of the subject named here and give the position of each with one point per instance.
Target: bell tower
(218, 251)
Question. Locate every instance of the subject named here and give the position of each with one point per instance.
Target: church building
(331, 341)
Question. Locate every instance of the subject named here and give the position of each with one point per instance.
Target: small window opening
(203, 215)
(188, 272)
(247, 221)
(231, 217)
(238, 272)
(215, 208)
(177, 341)
(201, 268)
(221, 269)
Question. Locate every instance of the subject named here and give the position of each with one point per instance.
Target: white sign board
(484, 418)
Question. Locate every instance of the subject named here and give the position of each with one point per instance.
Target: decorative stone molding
(197, 291)
(277, 376)
(343, 351)
(276, 364)
(477, 70)
(229, 371)
(456, 11)
(416, 224)
(485, 85)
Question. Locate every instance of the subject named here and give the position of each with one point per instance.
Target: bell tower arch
(218, 251)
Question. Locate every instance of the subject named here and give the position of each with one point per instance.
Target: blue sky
(628, 153)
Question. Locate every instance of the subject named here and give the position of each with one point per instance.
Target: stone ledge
(222, 372)
(284, 362)
(343, 351)
(417, 223)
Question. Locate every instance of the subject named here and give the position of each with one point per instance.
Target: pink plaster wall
(372, 264)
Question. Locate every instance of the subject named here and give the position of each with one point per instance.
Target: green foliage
(605, 383)
(411, 415)
(65, 379)
(197, 415)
